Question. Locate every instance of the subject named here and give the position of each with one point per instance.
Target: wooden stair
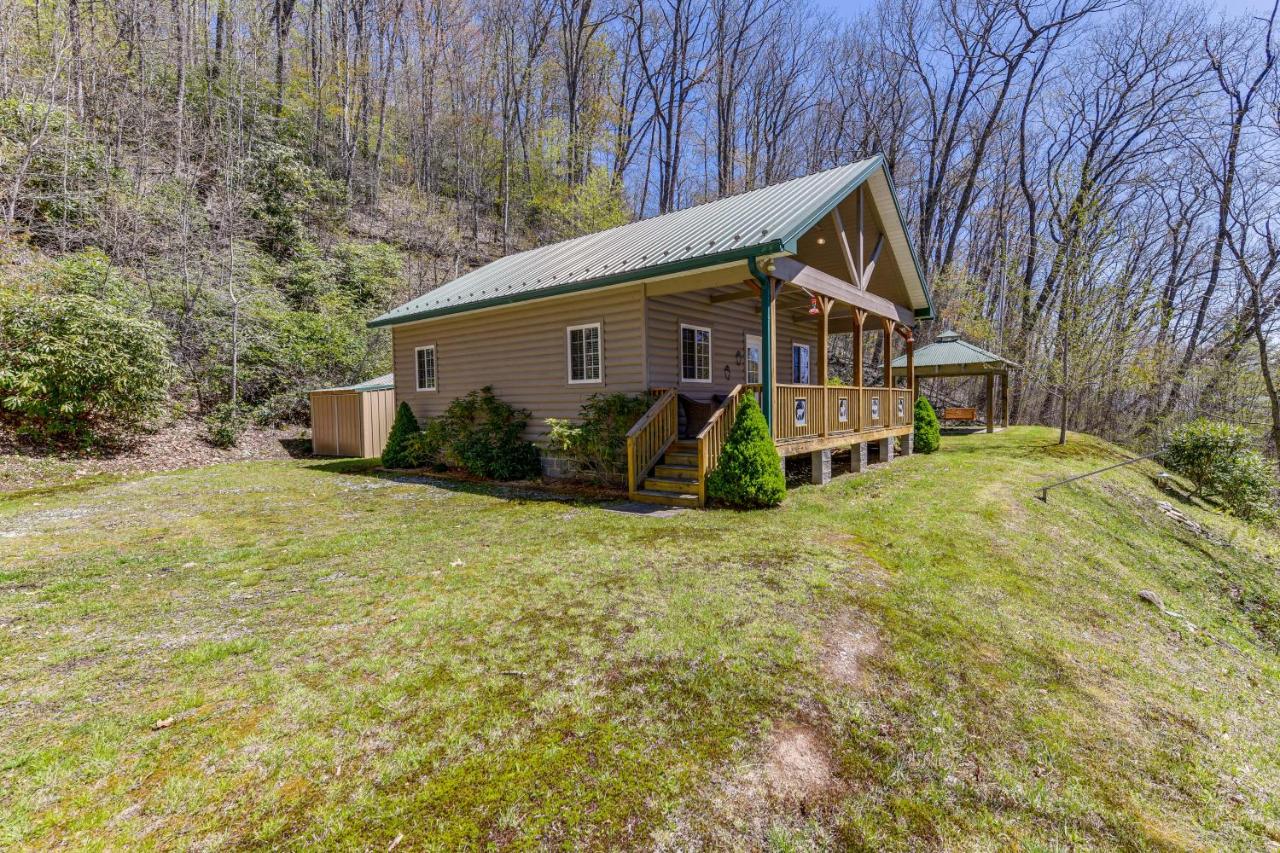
(674, 480)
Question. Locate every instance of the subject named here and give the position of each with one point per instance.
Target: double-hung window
(695, 354)
(586, 349)
(425, 363)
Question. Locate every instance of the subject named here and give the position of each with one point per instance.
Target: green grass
(350, 659)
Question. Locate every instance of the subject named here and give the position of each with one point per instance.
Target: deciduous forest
(213, 196)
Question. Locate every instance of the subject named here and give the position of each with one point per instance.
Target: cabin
(697, 308)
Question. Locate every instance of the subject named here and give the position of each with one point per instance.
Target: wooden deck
(812, 417)
(662, 468)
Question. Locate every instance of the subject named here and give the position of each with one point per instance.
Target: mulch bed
(179, 445)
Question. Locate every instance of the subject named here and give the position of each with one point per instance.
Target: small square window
(426, 365)
(584, 353)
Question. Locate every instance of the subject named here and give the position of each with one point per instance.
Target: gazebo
(951, 357)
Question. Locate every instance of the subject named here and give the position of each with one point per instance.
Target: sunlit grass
(348, 659)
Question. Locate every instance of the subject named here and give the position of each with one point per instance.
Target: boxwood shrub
(928, 433)
(750, 474)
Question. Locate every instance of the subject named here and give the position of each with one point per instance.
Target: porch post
(888, 352)
(858, 317)
(911, 367)
(825, 305)
(991, 402)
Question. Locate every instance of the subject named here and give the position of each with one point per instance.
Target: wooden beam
(871, 264)
(861, 279)
(817, 281)
(843, 239)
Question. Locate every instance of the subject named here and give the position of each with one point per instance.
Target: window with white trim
(753, 359)
(425, 360)
(695, 354)
(800, 364)
(586, 349)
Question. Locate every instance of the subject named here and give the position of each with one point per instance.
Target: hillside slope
(925, 655)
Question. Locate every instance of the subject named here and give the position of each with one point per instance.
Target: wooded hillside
(1091, 184)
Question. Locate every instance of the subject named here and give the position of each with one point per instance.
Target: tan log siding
(729, 322)
(521, 351)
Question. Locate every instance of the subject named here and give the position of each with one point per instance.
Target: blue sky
(1233, 7)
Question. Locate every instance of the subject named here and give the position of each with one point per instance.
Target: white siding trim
(568, 353)
(417, 368)
(680, 352)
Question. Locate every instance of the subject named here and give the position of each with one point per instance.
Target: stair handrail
(650, 437)
(712, 436)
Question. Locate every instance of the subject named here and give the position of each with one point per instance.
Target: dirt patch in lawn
(788, 787)
(797, 768)
(847, 648)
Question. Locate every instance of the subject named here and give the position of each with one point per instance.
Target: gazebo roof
(951, 355)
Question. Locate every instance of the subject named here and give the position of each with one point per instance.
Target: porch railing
(711, 438)
(812, 411)
(650, 437)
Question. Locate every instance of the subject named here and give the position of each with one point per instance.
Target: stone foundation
(820, 469)
(858, 457)
(557, 467)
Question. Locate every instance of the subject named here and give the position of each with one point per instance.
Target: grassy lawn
(302, 654)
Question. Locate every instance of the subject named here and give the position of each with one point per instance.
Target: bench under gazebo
(952, 357)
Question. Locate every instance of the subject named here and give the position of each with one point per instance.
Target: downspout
(766, 341)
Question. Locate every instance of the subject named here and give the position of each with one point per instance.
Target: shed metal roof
(385, 382)
(950, 351)
(751, 224)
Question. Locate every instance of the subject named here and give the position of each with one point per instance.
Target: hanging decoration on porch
(813, 305)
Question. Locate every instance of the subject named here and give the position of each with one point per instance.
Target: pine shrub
(397, 452)
(928, 433)
(750, 471)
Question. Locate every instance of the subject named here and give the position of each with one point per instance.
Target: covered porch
(787, 307)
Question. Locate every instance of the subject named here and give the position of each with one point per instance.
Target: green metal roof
(385, 382)
(949, 350)
(751, 224)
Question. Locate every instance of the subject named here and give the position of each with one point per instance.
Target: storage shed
(353, 420)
